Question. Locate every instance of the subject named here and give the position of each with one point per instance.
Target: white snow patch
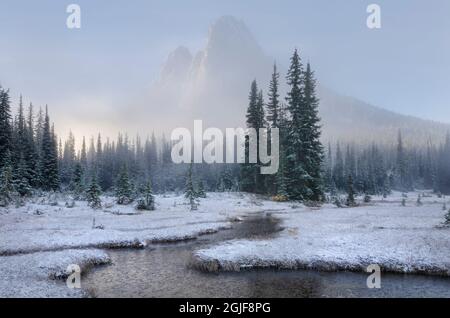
(399, 239)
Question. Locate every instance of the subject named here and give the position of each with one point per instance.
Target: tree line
(33, 159)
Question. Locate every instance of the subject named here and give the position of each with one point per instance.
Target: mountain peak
(228, 30)
(178, 62)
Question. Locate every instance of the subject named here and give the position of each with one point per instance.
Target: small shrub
(280, 198)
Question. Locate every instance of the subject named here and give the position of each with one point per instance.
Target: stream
(162, 270)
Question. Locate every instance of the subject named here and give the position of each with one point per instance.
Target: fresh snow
(39, 240)
(408, 239)
(36, 275)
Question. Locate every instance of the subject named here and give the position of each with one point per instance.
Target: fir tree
(124, 189)
(49, 158)
(147, 200)
(295, 149)
(201, 190)
(273, 105)
(338, 170)
(402, 168)
(6, 181)
(93, 194)
(447, 218)
(77, 184)
(5, 126)
(21, 183)
(313, 157)
(350, 192)
(251, 179)
(189, 192)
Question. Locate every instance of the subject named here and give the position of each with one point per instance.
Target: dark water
(163, 271)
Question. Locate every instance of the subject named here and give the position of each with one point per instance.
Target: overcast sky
(121, 46)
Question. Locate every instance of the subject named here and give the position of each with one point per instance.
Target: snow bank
(399, 239)
(37, 227)
(42, 274)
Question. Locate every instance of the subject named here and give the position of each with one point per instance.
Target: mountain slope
(213, 85)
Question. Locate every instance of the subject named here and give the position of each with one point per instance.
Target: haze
(94, 77)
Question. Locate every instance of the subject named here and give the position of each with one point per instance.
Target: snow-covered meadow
(40, 239)
(405, 239)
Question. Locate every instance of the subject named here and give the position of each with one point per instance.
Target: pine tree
(6, 181)
(147, 200)
(189, 191)
(93, 194)
(124, 190)
(201, 190)
(313, 158)
(447, 218)
(273, 105)
(5, 126)
(402, 168)
(31, 154)
(251, 180)
(49, 158)
(83, 155)
(338, 170)
(21, 183)
(295, 171)
(77, 185)
(350, 192)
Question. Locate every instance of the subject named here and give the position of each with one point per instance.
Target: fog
(124, 69)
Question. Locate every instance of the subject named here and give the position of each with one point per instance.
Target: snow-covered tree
(146, 200)
(93, 193)
(201, 189)
(49, 158)
(77, 185)
(124, 189)
(189, 191)
(6, 181)
(350, 192)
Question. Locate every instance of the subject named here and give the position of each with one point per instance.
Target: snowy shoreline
(399, 239)
(39, 240)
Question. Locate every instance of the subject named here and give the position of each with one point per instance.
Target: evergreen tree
(402, 166)
(77, 185)
(147, 200)
(49, 158)
(201, 190)
(124, 190)
(30, 153)
(338, 170)
(313, 157)
(93, 194)
(251, 179)
(21, 183)
(447, 218)
(189, 192)
(273, 105)
(5, 126)
(6, 181)
(350, 192)
(304, 149)
(295, 149)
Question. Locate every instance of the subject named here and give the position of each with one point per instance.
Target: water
(163, 271)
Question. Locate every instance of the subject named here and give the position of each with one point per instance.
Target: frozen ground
(40, 227)
(41, 239)
(38, 241)
(400, 239)
(35, 275)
